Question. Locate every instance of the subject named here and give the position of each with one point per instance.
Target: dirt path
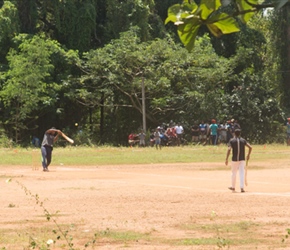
(170, 206)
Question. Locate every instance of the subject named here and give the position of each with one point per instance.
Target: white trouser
(238, 165)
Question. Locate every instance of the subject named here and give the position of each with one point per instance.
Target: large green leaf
(246, 6)
(173, 13)
(214, 30)
(189, 7)
(187, 32)
(188, 24)
(222, 24)
(179, 11)
(207, 7)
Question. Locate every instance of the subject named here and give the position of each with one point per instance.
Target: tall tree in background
(9, 27)
(27, 11)
(121, 15)
(281, 34)
(28, 86)
(72, 23)
(25, 86)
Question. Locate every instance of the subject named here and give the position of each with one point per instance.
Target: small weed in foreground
(287, 235)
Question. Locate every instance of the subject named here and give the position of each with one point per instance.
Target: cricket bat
(67, 138)
(246, 170)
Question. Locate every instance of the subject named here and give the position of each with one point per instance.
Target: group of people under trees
(173, 134)
(214, 133)
(164, 135)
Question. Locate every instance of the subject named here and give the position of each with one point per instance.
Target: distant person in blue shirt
(35, 142)
(213, 128)
(202, 131)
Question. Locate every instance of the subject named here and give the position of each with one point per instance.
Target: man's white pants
(238, 165)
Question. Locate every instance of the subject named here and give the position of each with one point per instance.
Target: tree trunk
(285, 56)
(102, 119)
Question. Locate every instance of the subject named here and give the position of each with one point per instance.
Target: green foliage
(252, 103)
(173, 90)
(5, 142)
(8, 21)
(9, 27)
(126, 14)
(100, 89)
(245, 6)
(30, 68)
(37, 67)
(278, 59)
(170, 76)
(189, 17)
(76, 23)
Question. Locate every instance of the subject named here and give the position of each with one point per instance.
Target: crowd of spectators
(214, 133)
(203, 133)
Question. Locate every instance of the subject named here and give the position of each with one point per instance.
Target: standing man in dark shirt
(50, 136)
(194, 133)
(238, 144)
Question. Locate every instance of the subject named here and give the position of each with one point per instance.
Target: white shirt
(179, 129)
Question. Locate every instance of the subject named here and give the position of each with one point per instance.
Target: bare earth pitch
(170, 205)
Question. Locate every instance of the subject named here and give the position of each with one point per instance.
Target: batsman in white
(238, 144)
(50, 136)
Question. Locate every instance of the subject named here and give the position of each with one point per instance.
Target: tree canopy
(83, 62)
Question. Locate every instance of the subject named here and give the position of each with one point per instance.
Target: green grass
(94, 156)
(216, 234)
(243, 233)
(41, 233)
(122, 236)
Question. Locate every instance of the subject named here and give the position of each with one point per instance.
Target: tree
(281, 36)
(174, 82)
(229, 16)
(72, 23)
(27, 12)
(125, 14)
(9, 27)
(27, 85)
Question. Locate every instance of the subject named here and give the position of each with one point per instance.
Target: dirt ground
(170, 206)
